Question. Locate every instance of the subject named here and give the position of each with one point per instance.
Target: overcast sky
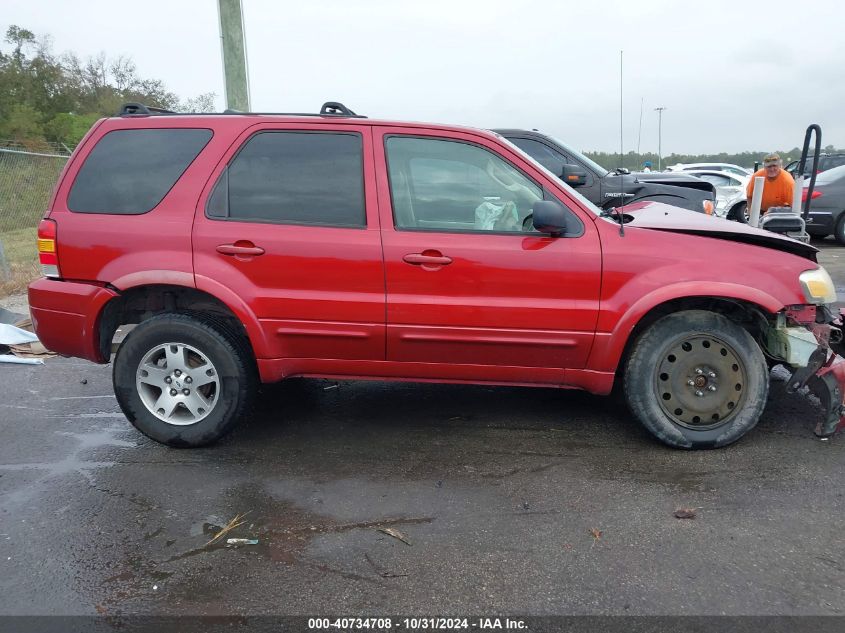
(733, 75)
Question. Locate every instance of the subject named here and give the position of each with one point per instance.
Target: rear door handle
(240, 248)
(423, 259)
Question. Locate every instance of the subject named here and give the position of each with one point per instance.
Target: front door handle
(427, 258)
(241, 248)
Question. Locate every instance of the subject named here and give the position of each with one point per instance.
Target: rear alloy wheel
(178, 384)
(696, 380)
(184, 380)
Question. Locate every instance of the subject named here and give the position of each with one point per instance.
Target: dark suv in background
(610, 189)
(826, 161)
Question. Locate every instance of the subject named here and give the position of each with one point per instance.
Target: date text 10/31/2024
(416, 624)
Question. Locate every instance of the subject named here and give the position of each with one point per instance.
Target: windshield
(554, 177)
(601, 171)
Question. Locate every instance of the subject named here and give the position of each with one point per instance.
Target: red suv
(249, 248)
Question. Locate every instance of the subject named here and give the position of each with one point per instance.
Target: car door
(469, 282)
(289, 224)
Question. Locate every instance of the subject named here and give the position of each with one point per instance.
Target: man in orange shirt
(777, 189)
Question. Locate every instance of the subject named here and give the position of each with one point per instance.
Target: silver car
(725, 167)
(731, 202)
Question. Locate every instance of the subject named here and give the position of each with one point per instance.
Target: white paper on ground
(8, 358)
(11, 335)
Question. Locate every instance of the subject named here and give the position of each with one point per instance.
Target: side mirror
(549, 216)
(573, 175)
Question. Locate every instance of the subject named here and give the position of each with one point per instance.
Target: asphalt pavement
(376, 498)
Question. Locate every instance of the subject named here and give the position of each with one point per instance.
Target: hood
(662, 217)
(674, 178)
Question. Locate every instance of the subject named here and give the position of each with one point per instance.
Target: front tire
(696, 380)
(184, 380)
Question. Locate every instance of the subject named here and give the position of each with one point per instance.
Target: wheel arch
(740, 304)
(744, 313)
(139, 303)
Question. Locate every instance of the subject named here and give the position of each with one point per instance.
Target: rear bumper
(65, 316)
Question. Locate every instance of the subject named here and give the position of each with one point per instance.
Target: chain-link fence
(26, 182)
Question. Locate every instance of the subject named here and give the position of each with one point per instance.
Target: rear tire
(740, 213)
(696, 380)
(839, 230)
(184, 380)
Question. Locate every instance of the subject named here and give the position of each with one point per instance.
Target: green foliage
(68, 129)
(44, 96)
(22, 121)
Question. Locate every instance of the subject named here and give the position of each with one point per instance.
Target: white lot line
(75, 416)
(81, 397)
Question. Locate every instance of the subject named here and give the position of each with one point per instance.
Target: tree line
(634, 161)
(49, 97)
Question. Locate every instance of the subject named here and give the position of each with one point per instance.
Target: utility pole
(233, 49)
(660, 136)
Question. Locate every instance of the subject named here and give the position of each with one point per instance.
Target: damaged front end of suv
(808, 340)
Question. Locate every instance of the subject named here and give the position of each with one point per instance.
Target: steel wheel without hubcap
(701, 382)
(177, 383)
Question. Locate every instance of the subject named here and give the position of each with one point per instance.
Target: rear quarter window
(130, 171)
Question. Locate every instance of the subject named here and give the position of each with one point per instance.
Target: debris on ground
(395, 534)
(334, 386)
(242, 541)
(685, 513)
(18, 344)
(231, 525)
(595, 533)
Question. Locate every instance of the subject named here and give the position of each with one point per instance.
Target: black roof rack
(329, 109)
(140, 108)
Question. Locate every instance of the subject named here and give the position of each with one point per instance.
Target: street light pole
(659, 136)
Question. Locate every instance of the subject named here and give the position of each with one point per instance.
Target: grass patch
(20, 246)
(21, 256)
(26, 183)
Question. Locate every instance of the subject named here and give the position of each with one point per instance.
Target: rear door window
(294, 178)
(130, 171)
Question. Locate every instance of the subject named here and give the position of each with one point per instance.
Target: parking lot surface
(389, 498)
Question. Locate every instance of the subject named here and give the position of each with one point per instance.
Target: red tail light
(815, 195)
(48, 254)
